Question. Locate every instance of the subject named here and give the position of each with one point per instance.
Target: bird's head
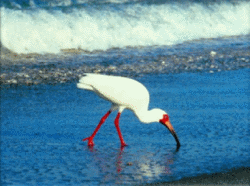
(158, 115)
(163, 118)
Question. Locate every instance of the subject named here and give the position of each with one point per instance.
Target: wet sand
(29, 69)
(239, 176)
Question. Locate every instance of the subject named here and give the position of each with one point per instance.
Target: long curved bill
(171, 129)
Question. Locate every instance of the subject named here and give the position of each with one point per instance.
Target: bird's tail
(83, 86)
(83, 83)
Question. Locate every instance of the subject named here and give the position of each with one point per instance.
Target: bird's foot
(123, 144)
(90, 141)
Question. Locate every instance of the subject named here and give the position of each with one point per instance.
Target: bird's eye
(166, 117)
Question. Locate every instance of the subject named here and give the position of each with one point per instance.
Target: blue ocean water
(192, 55)
(42, 127)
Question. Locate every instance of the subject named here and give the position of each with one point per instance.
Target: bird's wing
(118, 90)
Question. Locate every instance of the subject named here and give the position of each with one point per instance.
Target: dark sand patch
(239, 176)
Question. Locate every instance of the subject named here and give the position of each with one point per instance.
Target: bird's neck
(146, 116)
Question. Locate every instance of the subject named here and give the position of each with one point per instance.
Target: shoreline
(238, 176)
(71, 64)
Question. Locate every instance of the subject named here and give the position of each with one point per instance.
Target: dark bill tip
(171, 129)
(177, 141)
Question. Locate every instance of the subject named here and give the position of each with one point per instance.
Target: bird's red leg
(119, 130)
(90, 142)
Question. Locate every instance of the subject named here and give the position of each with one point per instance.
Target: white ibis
(124, 93)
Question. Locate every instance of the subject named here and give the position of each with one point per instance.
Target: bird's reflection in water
(119, 160)
(122, 166)
(153, 165)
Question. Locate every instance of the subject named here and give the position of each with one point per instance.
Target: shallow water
(193, 57)
(42, 128)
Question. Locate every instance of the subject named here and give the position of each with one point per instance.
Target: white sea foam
(100, 28)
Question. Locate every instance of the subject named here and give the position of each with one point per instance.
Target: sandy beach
(29, 69)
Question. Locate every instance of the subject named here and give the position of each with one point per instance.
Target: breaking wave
(90, 26)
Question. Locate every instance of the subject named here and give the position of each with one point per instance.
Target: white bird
(124, 93)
